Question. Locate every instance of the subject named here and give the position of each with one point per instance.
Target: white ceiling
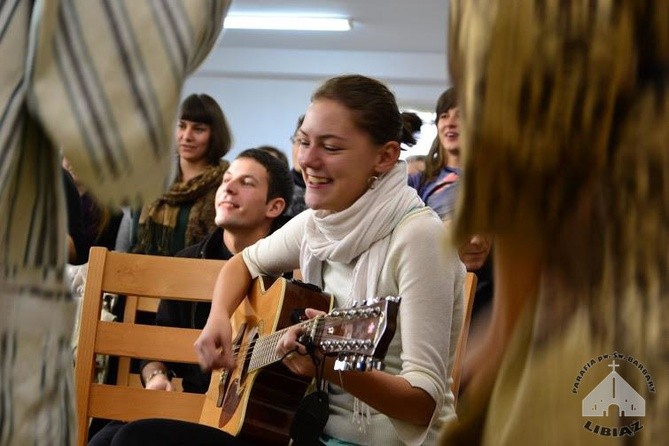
(265, 79)
(378, 25)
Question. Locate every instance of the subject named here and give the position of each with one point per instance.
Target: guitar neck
(360, 335)
(264, 351)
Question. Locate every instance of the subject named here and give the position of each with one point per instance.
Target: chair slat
(134, 403)
(146, 341)
(162, 277)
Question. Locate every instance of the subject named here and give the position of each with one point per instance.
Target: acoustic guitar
(258, 398)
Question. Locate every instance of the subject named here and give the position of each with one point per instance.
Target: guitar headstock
(359, 336)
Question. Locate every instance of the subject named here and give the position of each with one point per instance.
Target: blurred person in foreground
(112, 116)
(567, 162)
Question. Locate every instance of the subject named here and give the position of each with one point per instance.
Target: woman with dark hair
(184, 214)
(437, 184)
(366, 234)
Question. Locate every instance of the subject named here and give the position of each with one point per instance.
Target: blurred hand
(159, 382)
(214, 345)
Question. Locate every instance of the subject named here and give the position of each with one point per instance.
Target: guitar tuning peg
(340, 365)
(350, 364)
(369, 363)
(360, 364)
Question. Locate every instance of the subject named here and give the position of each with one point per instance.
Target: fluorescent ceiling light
(285, 22)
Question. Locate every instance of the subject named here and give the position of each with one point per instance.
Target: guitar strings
(321, 324)
(250, 346)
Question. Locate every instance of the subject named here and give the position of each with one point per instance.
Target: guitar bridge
(222, 384)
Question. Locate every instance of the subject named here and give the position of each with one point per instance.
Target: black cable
(314, 409)
(285, 355)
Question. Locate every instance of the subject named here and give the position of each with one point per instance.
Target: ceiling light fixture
(285, 22)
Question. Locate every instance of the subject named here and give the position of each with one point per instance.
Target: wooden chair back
(461, 349)
(146, 276)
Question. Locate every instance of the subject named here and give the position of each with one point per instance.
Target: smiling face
(337, 159)
(449, 135)
(193, 140)
(241, 199)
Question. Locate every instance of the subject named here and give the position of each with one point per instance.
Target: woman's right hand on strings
(214, 345)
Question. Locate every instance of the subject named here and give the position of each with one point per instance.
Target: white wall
(262, 92)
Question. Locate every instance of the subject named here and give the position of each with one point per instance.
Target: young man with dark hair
(250, 203)
(255, 191)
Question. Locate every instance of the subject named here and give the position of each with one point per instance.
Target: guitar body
(259, 405)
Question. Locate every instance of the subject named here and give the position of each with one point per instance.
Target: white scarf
(363, 229)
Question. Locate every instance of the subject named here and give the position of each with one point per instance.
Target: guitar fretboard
(263, 351)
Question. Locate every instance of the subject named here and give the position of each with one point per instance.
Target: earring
(371, 182)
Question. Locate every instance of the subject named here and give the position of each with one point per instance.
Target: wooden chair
(147, 276)
(461, 348)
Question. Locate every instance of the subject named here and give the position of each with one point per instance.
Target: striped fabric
(101, 81)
